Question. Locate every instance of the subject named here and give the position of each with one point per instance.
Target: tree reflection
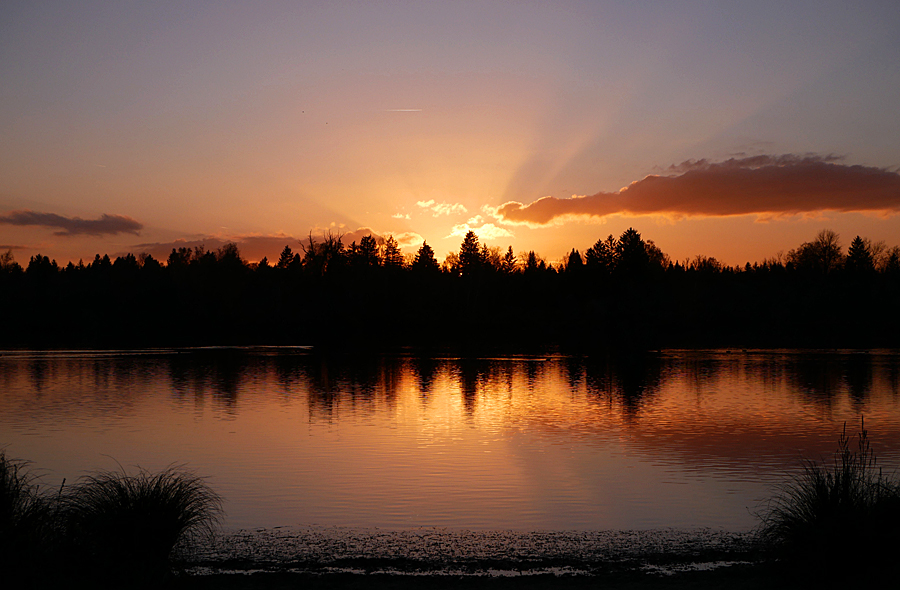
(630, 380)
(469, 372)
(858, 375)
(220, 372)
(574, 370)
(356, 379)
(425, 368)
(487, 376)
(37, 373)
(817, 377)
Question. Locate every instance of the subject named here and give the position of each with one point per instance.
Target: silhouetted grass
(126, 526)
(837, 518)
(26, 531)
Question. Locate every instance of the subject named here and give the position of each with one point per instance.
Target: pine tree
(469, 254)
(425, 261)
(392, 257)
(859, 257)
(287, 256)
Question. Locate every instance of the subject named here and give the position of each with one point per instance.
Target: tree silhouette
(641, 300)
(508, 262)
(469, 255)
(859, 257)
(425, 261)
(602, 256)
(392, 256)
(287, 256)
(631, 253)
(822, 255)
(8, 262)
(574, 262)
(321, 258)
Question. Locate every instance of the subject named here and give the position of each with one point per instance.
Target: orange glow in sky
(260, 124)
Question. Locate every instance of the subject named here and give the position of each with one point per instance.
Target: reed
(128, 525)
(837, 517)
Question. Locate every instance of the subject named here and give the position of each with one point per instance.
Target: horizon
(735, 133)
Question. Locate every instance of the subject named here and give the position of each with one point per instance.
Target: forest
(622, 294)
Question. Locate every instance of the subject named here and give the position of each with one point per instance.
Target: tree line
(621, 293)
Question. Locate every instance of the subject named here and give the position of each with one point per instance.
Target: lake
(553, 442)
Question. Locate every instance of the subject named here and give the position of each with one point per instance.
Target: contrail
(404, 110)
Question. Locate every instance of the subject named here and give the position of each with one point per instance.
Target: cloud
(409, 239)
(438, 209)
(488, 231)
(765, 185)
(356, 236)
(401, 216)
(70, 226)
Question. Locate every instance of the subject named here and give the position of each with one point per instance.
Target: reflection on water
(555, 442)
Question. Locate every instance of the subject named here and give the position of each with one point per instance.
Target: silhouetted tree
(631, 253)
(425, 261)
(392, 257)
(532, 261)
(179, 258)
(148, 263)
(705, 264)
(602, 256)
(365, 254)
(126, 265)
(320, 258)
(42, 266)
(657, 258)
(890, 263)
(491, 259)
(469, 255)
(287, 256)
(8, 263)
(574, 262)
(822, 255)
(508, 263)
(859, 257)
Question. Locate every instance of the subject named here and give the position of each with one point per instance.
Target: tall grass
(26, 528)
(838, 516)
(110, 526)
(130, 524)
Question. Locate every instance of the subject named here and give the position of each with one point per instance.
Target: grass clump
(837, 517)
(25, 526)
(129, 525)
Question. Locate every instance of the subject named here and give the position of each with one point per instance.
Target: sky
(730, 129)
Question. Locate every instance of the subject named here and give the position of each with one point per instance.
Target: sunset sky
(739, 129)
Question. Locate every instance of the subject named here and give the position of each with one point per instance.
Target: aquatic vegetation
(837, 517)
(132, 523)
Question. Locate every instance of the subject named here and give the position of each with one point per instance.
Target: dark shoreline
(373, 558)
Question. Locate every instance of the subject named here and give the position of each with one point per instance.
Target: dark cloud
(70, 226)
(764, 185)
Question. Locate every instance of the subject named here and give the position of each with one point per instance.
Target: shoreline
(333, 556)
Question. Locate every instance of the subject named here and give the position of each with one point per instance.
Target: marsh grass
(128, 525)
(25, 526)
(109, 527)
(837, 517)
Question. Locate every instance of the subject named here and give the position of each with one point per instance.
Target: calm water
(676, 439)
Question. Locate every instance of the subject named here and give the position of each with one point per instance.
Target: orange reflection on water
(676, 439)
